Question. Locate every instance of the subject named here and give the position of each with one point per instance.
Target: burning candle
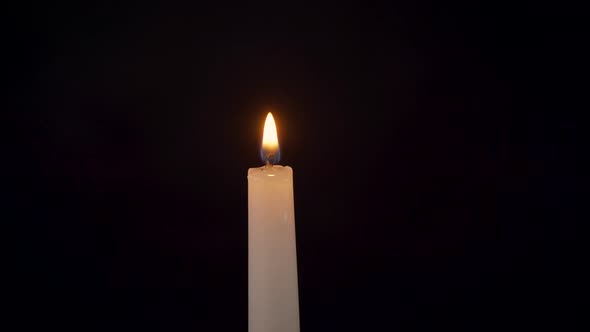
(273, 300)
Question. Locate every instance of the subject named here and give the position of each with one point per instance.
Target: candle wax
(273, 302)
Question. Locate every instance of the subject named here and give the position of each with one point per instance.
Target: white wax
(273, 301)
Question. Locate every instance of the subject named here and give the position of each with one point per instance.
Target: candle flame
(270, 151)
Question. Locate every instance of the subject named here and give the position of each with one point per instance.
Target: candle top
(270, 151)
(276, 173)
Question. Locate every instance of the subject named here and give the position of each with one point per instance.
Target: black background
(434, 164)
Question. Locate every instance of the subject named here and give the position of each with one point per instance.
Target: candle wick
(269, 157)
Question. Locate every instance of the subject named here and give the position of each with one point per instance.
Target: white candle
(273, 301)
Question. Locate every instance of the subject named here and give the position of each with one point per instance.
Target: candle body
(273, 301)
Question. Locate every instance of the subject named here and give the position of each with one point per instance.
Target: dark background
(435, 164)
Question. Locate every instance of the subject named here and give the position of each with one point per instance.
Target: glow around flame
(270, 151)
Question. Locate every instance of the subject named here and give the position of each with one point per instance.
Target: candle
(273, 301)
